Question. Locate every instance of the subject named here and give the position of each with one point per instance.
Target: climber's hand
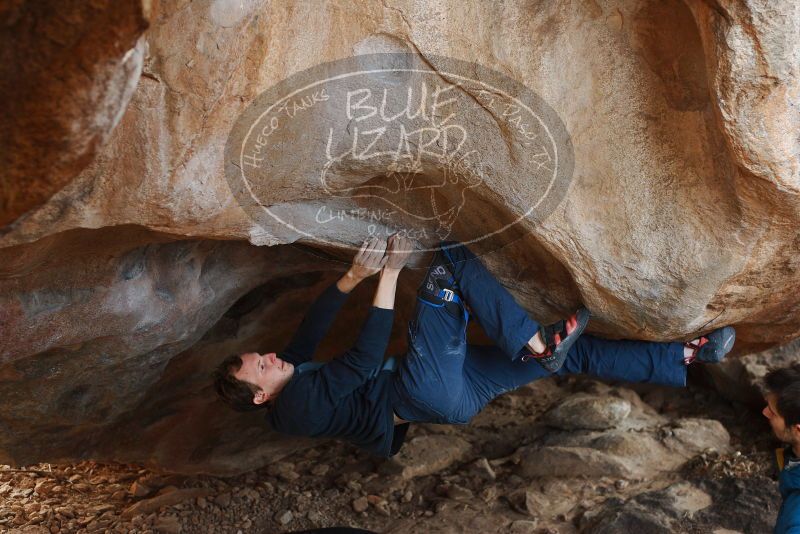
(400, 249)
(369, 259)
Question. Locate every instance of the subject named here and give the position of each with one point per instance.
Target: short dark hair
(785, 384)
(237, 393)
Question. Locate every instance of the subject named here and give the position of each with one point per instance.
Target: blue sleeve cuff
(336, 293)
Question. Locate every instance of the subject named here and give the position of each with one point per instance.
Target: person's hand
(399, 252)
(369, 259)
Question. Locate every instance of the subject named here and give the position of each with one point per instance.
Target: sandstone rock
(746, 505)
(283, 470)
(102, 508)
(523, 526)
(168, 524)
(138, 489)
(315, 517)
(686, 499)
(590, 412)
(459, 493)
(693, 65)
(689, 437)
(126, 281)
(483, 469)
(124, 270)
(654, 511)
(361, 504)
(633, 520)
(741, 379)
(166, 489)
(74, 69)
(171, 498)
(223, 499)
(285, 517)
(425, 455)
(642, 446)
(540, 505)
(320, 470)
(734, 28)
(250, 494)
(571, 462)
(380, 504)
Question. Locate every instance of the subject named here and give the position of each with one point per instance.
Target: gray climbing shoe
(712, 347)
(559, 338)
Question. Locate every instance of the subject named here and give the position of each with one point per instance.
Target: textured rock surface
(741, 379)
(67, 73)
(652, 512)
(427, 454)
(723, 506)
(681, 215)
(589, 412)
(665, 112)
(640, 444)
(108, 331)
(333, 484)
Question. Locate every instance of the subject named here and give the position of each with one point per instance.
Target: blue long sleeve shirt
(789, 486)
(341, 399)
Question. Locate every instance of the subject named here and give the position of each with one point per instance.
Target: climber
(442, 379)
(783, 412)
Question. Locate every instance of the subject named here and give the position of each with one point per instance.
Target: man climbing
(442, 378)
(783, 412)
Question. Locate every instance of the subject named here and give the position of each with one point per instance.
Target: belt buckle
(448, 295)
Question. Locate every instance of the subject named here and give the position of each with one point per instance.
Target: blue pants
(443, 379)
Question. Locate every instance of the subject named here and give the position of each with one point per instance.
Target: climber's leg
(509, 326)
(429, 381)
(487, 374)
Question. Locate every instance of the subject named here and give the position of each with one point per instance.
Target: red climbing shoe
(559, 338)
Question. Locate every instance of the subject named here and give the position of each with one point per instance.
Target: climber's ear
(261, 397)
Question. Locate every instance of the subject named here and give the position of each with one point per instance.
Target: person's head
(249, 381)
(783, 402)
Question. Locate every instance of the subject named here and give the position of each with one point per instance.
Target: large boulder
(589, 412)
(639, 444)
(126, 247)
(742, 379)
(704, 237)
(652, 512)
(68, 72)
(720, 505)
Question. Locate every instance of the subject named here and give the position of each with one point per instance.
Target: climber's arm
(342, 375)
(317, 321)
(323, 311)
(631, 361)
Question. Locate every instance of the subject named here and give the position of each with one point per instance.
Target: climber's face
(777, 422)
(267, 371)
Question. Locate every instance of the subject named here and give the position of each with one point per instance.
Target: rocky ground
(559, 456)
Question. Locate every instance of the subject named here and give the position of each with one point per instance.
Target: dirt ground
(334, 484)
